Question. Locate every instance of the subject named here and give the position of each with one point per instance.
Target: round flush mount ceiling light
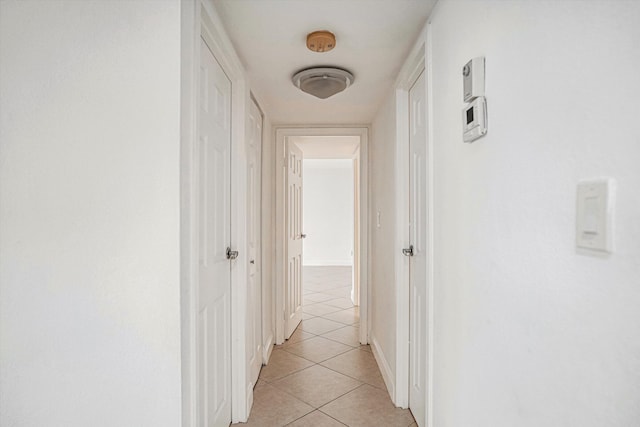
(323, 82)
(321, 41)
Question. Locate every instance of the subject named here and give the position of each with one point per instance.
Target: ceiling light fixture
(321, 41)
(323, 82)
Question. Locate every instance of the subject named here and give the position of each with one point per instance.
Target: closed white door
(418, 261)
(214, 281)
(254, 288)
(293, 295)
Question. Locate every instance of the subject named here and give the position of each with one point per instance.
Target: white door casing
(293, 295)
(214, 224)
(418, 262)
(254, 219)
(282, 135)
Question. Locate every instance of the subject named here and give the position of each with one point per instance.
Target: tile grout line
(307, 403)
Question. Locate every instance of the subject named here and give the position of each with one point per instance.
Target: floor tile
(342, 292)
(281, 364)
(317, 349)
(357, 364)
(292, 385)
(348, 316)
(347, 335)
(297, 336)
(366, 347)
(318, 325)
(317, 385)
(367, 406)
(340, 302)
(316, 419)
(316, 297)
(319, 309)
(273, 407)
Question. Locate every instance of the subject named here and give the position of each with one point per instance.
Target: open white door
(213, 327)
(254, 219)
(293, 294)
(418, 239)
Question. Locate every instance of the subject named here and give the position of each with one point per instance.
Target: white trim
(431, 228)
(266, 238)
(190, 64)
(267, 348)
(401, 397)
(328, 262)
(280, 135)
(385, 369)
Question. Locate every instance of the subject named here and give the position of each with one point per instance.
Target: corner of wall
(385, 369)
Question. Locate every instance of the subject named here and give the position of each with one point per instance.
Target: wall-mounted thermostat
(473, 79)
(474, 119)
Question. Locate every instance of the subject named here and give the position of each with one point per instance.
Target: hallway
(322, 376)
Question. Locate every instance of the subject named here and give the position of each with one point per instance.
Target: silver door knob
(303, 236)
(231, 254)
(253, 261)
(408, 251)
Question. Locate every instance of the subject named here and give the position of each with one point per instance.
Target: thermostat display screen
(469, 115)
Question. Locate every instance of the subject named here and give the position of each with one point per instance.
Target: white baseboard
(327, 263)
(250, 387)
(267, 348)
(385, 370)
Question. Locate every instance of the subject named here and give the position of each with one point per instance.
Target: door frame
(199, 19)
(418, 61)
(280, 139)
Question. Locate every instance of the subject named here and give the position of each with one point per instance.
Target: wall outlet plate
(594, 215)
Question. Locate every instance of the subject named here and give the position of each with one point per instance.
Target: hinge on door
(408, 251)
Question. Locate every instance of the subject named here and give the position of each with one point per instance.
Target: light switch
(595, 215)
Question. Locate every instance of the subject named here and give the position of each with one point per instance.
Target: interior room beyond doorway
(329, 210)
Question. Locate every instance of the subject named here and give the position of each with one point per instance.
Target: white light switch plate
(594, 221)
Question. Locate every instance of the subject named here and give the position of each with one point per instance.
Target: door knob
(231, 254)
(253, 261)
(303, 236)
(408, 251)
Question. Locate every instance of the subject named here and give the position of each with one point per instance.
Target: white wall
(89, 213)
(527, 331)
(382, 238)
(327, 205)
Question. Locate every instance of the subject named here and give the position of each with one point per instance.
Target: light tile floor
(322, 376)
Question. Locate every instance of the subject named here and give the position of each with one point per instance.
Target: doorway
(354, 153)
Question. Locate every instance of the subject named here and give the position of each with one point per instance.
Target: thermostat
(473, 79)
(474, 119)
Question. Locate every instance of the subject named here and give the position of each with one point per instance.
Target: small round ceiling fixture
(323, 82)
(321, 41)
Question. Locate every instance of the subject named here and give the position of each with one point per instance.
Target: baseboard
(267, 348)
(327, 263)
(250, 387)
(385, 370)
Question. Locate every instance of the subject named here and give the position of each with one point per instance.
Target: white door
(214, 281)
(254, 288)
(418, 262)
(293, 295)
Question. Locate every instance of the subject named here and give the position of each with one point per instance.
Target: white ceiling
(373, 38)
(327, 147)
